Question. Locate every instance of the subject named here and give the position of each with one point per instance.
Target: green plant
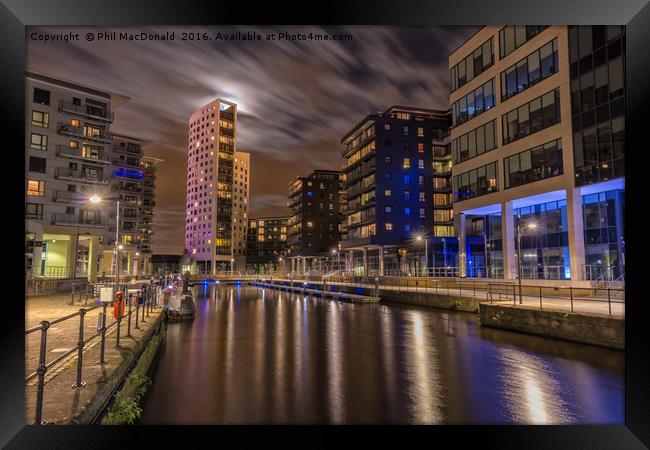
(125, 411)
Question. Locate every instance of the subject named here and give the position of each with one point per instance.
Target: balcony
(443, 205)
(442, 187)
(90, 111)
(360, 172)
(347, 150)
(441, 154)
(442, 171)
(126, 162)
(227, 131)
(68, 197)
(78, 132)
(134, 150)
(82, 154)
(75, 220)
(79, 175)
(358, 189)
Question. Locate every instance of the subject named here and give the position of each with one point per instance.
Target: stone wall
(603, 331)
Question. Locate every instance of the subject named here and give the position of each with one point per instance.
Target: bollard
(42, 368)
(80, 346)
(103, 341)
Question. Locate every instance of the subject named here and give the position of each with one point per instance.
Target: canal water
(254, 356)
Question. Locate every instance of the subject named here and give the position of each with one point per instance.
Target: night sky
(295, 99)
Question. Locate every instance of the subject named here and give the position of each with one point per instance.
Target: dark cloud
(296, 99)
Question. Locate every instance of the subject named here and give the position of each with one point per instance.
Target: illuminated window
(74, 123)
(388, 193)
(420, 132)
(407, 163)
(420, 147)
(36, 188)
(389, 226)
(40, 119)
(38, 142)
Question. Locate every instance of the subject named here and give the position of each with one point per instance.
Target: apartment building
(148, 165)
(314, 225)
(68, 159)
(240, 198)
(218, 179)
(267, 243)
(538, 151)
(397, 170)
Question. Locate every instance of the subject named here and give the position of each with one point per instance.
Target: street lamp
(96, 199)
(419, 238)
(530, 226)
(232, 266)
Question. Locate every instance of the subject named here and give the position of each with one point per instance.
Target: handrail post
(80, 346)
(103, 334)
(143, 307)
(571, 294)
(42, 368)
(119, 321)
(540, 298)
(128, 320)
(137, 310)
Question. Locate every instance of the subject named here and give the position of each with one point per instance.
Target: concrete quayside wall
(603, 331)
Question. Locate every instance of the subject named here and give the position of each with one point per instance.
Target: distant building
(267, 243)
(397, 169)
(218, 178)
(538, 145)
(314, 225)
(165, 263)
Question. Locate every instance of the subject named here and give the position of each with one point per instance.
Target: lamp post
(419, 238)
(232, 266)
(531, 226)
(97, 199)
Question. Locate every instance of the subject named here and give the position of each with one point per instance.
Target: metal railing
(86, 110)
(573, 299)
(65, 150)
(147, 299)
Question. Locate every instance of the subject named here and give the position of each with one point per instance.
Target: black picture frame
(16, 14)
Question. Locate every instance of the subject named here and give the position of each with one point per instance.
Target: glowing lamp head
(418, 238)
(95, 199)
(532, 225)
(121, 247)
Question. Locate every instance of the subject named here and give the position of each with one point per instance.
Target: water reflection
(256, 356)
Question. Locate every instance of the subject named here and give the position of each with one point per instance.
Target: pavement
(596, 306)
(62, 401)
